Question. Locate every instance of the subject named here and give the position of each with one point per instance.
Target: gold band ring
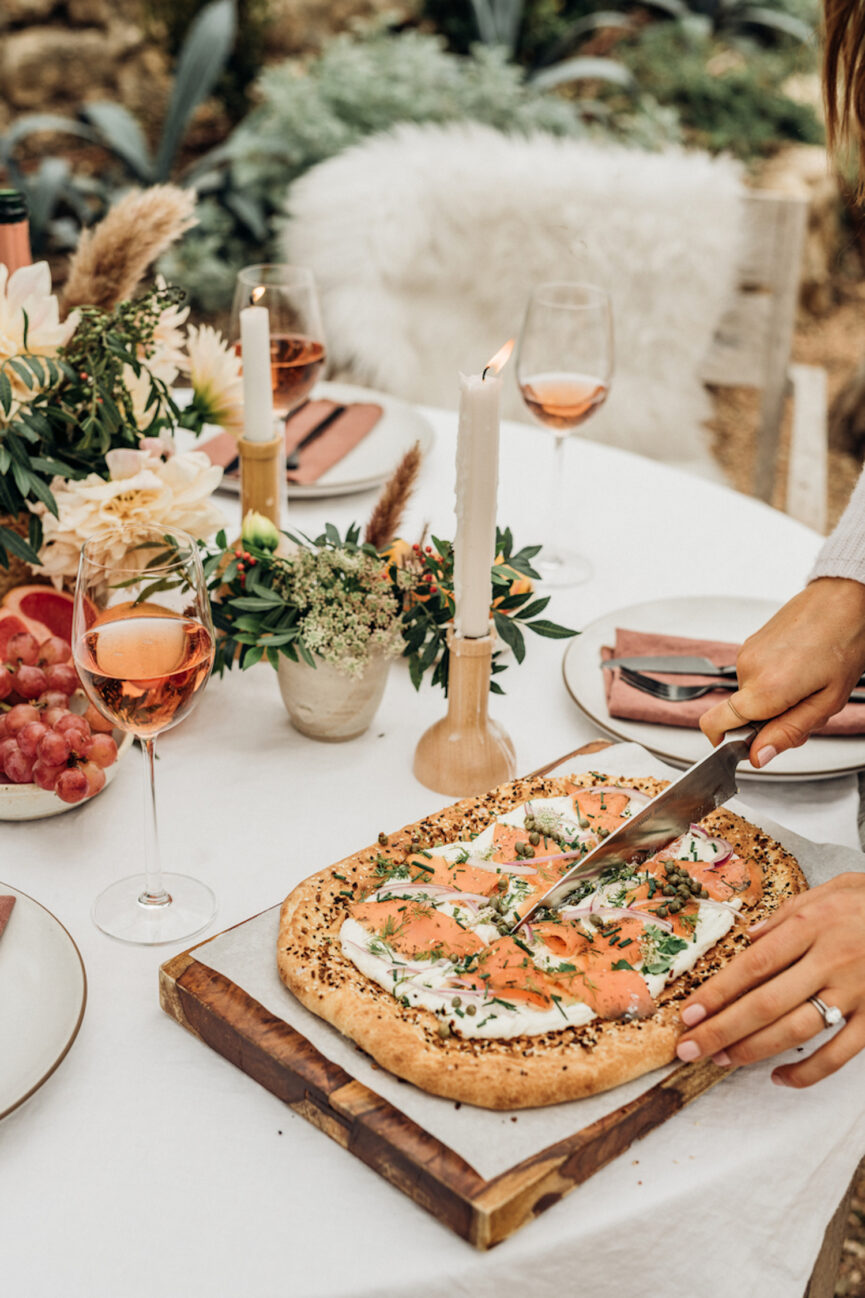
(731, 705)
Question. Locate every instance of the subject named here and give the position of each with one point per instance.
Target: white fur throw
(426, 242)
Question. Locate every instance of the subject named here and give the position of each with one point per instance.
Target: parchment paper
(491, 1142)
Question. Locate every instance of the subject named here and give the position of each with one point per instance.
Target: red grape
(46, 775)
(22, 647)
(29, 737)
(17, 717)
(62, 677)
(95, 777)
(7, 746)
(72, 785)
(70, 722)
(103, 750)
(53, 699)
(54, 650)
(97, 722)
(19, 767)
(53, 748)
(30, 682)
(52, 715)
(6, 682)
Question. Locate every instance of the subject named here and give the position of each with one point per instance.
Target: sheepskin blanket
(426, 242)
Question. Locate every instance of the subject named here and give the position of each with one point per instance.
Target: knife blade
(684, 664)
(706, 785)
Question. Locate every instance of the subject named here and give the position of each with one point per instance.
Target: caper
(471, 1010)
(503, 885)
(382, 838)
(674, 907)
(534, 838)
(603, 833)
(704, 892)
(596, 920)
(520, 847)
(444, 1030)
(457, 1002)
(695, 887)
(669, 891)
(662, 911)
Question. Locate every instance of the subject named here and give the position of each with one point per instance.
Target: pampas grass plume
(110, 259)
(387, 515)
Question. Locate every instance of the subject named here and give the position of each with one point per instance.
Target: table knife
(708, 784)
(687, 665)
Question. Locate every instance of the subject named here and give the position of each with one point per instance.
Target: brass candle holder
(466, 752)
(262, 477)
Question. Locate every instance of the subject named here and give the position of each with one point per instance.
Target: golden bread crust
(519, 1072)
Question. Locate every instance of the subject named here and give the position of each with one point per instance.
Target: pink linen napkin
(334, 442)
(633, 705)
(6, 904)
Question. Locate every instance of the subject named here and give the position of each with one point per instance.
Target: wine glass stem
(559, 496)
(154, 893)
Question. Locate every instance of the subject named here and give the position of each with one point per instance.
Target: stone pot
(328, 705)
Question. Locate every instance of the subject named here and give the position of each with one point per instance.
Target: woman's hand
(813, 945)
(799, 668)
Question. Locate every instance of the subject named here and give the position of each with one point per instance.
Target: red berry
(22, 648)
(7, 746)
(53, 699)
(103, 750)
(72, 722)
(53, 748)
(29, 737)
(97, 722)
(46, 775)
(19, 767)
(53, 714)
(17, 717)
(6, 683)
(30, 682)
(62, 677)
(54, 650)
(72, 785)
(433, 590)
(95, 777)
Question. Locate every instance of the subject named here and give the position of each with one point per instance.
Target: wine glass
(142, 641)
(564, 367)
(297, 347)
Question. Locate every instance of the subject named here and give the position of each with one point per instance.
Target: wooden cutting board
(484, 1212)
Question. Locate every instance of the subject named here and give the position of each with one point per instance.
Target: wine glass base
(120, 912)
(564, 569)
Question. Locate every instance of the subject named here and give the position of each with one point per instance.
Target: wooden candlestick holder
(466, 752)
(262, 477)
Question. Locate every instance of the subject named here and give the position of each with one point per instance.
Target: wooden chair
(752, 348)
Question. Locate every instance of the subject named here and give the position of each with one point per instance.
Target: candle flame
(497, 363)
(257, 294)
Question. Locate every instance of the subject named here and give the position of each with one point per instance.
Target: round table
(147, 1164)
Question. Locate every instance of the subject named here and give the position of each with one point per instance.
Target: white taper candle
(476, 496)
(257, 390)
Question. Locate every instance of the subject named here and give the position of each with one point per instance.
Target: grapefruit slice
(10, 624)
(43, 610)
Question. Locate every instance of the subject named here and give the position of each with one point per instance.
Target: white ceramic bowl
(29, 802)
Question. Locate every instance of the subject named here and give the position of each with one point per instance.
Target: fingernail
(779, 1080)
(755, 928)
(688, 1050)
(765, 755)
(692, 1015)
(722, 1059)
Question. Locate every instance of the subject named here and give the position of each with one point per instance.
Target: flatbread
(516, 1072)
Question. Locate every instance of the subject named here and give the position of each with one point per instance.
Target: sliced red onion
(514, 867)
(440, 890)
(645, 916)
(720, 905)
(527, 929)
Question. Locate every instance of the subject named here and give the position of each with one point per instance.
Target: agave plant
(61, 201)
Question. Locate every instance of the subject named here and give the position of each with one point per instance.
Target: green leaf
(584, 69)
(18, 546)
(253, 656)
(5, 393)
(551, 630)
(203, 56)
(256, 603)
(511, 634)
(304, 652)
(121, 133)
(534, 609)
(22, 370)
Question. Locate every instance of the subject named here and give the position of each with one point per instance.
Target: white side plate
(43, 991)
(704, 617)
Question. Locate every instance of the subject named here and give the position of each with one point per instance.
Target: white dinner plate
(43, 991)
(716, 617)
(367, 465)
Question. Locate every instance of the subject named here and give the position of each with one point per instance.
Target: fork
(682, 693)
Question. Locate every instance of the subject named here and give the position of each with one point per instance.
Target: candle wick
(484, 375)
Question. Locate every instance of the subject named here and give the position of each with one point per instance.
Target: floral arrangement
(86, 404)
(345, 600)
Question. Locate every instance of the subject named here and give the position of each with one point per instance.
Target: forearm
(843, 553)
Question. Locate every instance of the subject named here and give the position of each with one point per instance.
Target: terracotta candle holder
(466, 752)
(262, 477)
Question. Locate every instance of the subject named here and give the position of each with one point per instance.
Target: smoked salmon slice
(415, 929)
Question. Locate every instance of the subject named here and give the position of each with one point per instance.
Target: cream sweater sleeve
(843, 553)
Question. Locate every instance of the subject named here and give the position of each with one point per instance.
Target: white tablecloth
(149, 1165)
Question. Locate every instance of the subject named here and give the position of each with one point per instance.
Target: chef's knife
(708, 784)
(687, 665)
